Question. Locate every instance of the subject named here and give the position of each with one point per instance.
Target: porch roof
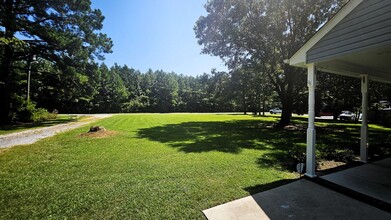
(356, 41)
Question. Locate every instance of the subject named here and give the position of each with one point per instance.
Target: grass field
(155, 166)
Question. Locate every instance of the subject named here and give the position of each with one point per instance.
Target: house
(356, 42)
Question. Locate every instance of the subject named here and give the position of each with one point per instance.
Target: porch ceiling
(376, 63)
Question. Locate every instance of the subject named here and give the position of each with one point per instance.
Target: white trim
(311, 132)
(345, 69)
(299, 59)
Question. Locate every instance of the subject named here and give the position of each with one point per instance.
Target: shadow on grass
(281, 148)
(342, 135)
(227, 136)
(347, 136)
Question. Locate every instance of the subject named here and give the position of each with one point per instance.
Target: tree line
(103, 89)
(62, 47)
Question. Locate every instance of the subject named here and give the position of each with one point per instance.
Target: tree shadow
(282, 148)
(337, 136)
(225, 136)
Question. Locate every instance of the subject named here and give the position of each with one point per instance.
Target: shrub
(41, 114)
(25, 111)
(297, 153)
(342, 155)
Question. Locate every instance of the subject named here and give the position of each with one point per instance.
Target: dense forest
(124, 89)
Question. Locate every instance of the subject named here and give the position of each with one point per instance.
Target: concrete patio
(372, 180)
(305, 199)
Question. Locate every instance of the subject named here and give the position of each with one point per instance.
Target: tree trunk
(5, 81)
(287, 98)
(244, 102)
(6, 64)
(286, 111)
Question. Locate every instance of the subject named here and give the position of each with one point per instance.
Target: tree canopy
(67, 34)
(260, 34)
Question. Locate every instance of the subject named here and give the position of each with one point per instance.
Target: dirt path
(33, 135)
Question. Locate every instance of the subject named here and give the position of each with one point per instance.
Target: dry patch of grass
(329, 164)
(99, 134)
(295, 127)
(2, 150)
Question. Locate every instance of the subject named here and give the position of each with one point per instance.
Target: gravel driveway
(33, 135)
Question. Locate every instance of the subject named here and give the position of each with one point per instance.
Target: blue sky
(156, 34)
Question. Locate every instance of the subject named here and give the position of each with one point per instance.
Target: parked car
(275, 111)
(347, 116)
(384, 104)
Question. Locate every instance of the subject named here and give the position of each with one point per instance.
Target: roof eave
(299, 59)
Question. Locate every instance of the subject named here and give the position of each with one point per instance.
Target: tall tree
(218, 91)
(67, 34)
(165, 92)
(262, 33)
(52, 89)
(131, 79)
(252, 88)
(241, 87)
(112, 92)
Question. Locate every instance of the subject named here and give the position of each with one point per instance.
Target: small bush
(41, 114)
(25, 111)
(297, 153)
(342, 155)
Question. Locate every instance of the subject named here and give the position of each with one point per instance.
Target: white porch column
(311, 133)
(364, 125)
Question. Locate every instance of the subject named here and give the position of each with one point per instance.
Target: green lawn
(154, 166)
(7, 129)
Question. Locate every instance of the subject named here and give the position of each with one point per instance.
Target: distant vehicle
(275, 111)
(384, 104)
(347, 116)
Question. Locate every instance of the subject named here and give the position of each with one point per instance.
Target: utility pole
(31, 59)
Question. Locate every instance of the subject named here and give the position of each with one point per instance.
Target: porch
(370, 182)
(356, 42)
(362, 192)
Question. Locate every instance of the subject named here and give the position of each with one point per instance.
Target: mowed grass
(150, 169)
(153, 166)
